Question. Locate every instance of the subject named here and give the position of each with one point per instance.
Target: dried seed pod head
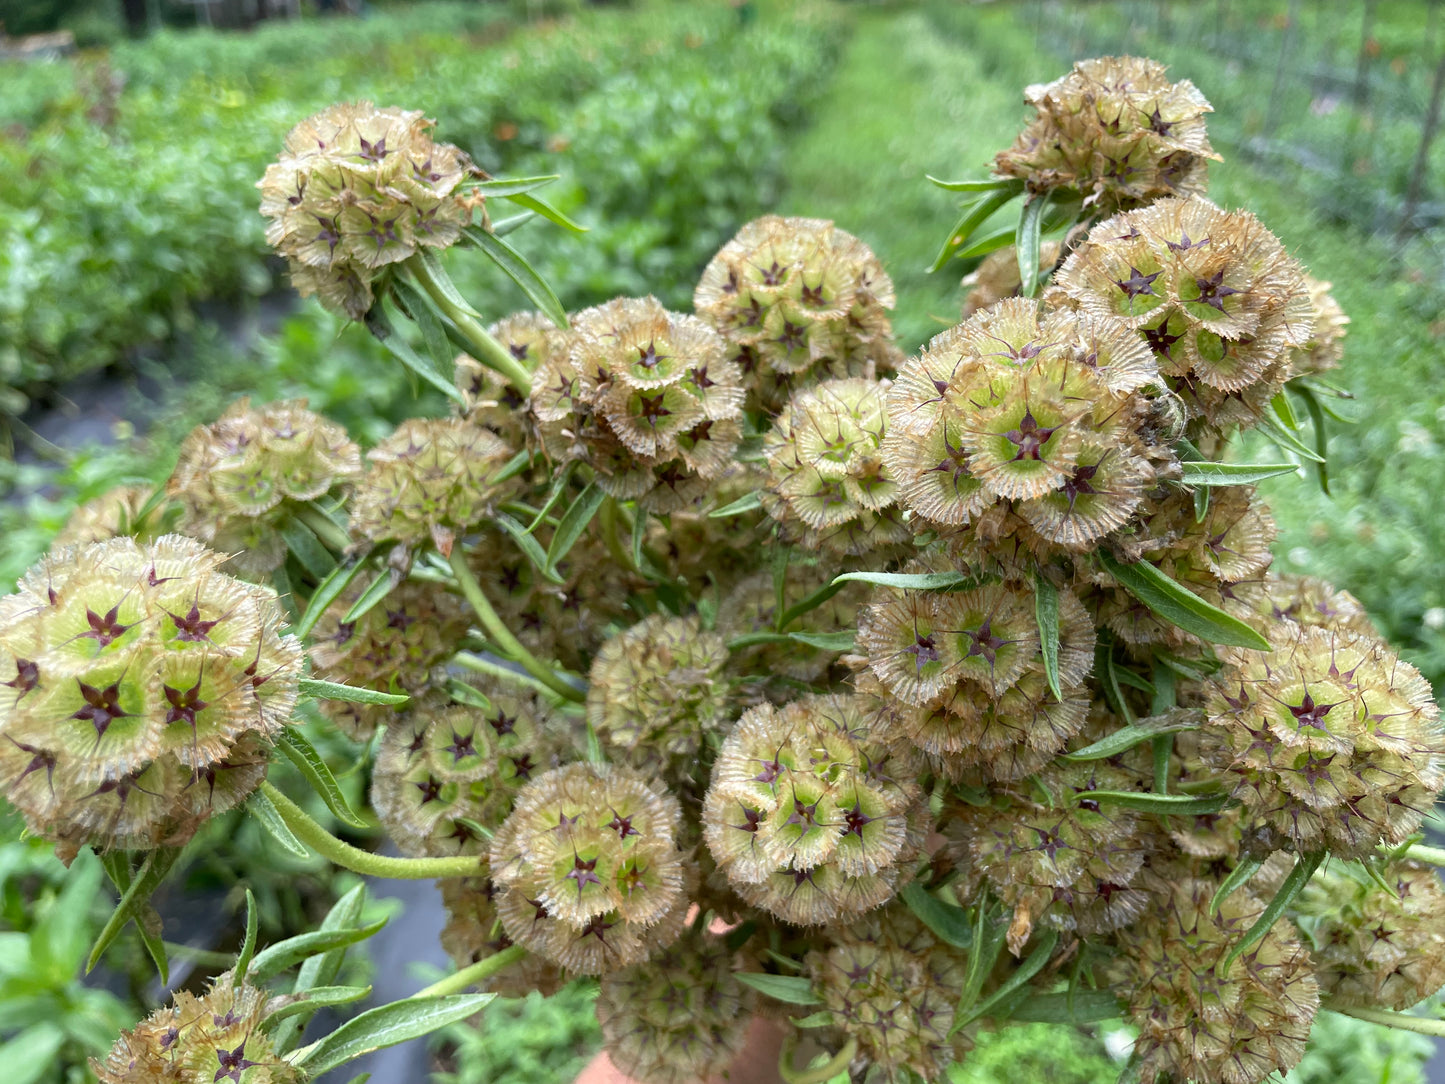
(678, 1018)
(402, 638)
(358, 188)
(1326, 348)
(201, 1039)
(1116, 130)
(119, 511)
(752, 608)
(590, 871)
(1196, 1023)
(1377, 948)
(1215, 294)
(140, 688)
(799, 300)
(1017, 405)
(649, 398)
(657, 692)
(1307, 600)
(1332, 741)
(234, 474)
(892, 985)
(827, 485)
(1058, 856)
(997, 277)
(806, 815)
(488, 398)
(432, 479)
(474, 932)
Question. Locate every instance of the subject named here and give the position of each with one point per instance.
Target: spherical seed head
(1018, 405)
(489, 399)
(1377, 947)
(1308, 600)
(234, 474)
(808, 817)
(648, 398)
(430, 480)
(1237, 1027)
(447, 775)
(656, 693)
(1326, 348)
(474, 932)
(890, 984)
(827, 484)
(1333, 741)
(417, 626)
(207, 1039)
(1215, 294)
(1115, 129)
(799, 300)
(116, 512)
(355, 189)
(680, 1017)
(589, 867)
(139, 689)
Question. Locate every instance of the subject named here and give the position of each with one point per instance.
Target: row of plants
(132, 171)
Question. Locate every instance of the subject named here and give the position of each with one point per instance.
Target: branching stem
(487, 350)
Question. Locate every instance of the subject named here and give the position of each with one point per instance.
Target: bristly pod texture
(140, 691)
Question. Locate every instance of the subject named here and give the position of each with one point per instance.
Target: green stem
(608, 516)
(332, 536)
(358, 861)
(1433, 855)
(821, 1075)
(1403, 1021)
(502, 636)
(476, 973)
(487, 350)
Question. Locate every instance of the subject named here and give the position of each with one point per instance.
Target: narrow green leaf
(1232, 474)
(322, 970)
(826, 641)
(639, 536)
(1202, 497)
(152, 871)
(988, 185)
(1179, 606)
(574, 521)
(318, 997)
(248, 945)
(791, 989)
(1280, 404)
(1128, 677)
(303, 544)
(379, 322)
(948, 921)
(820, 1019)
(327, 592)
(1080, 1007)
(908, 581)
(308, 762)
(1046, 612)
(1189, 669)
(431, 322)
(554, 494)
(513, 467)
(1238, 877)
(1109, 671)
(986, 942)
(528, 544)
(752, 501)
(387, 1026)
(31, 1055)
(1165, 701)
(968, 223)
(1170, 722)
(503, 226)
(117, 868)
(437, 271)
(987, 243)
(1030, 219)
(520, 272)
(1322, 436)
(470, 695)
(1032, 965)
(274, 959)
(1285, 439)
(261, 807)
(375, 592)
(509, 186)
(1162, 804)
(546, 210)
(809, 604)
(332, 690)
(1304, 868)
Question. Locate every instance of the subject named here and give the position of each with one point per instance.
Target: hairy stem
(1403, 1021)
(486, 349)
(1433, 855)
(475, 973)
(502, 636)
(354, 858)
